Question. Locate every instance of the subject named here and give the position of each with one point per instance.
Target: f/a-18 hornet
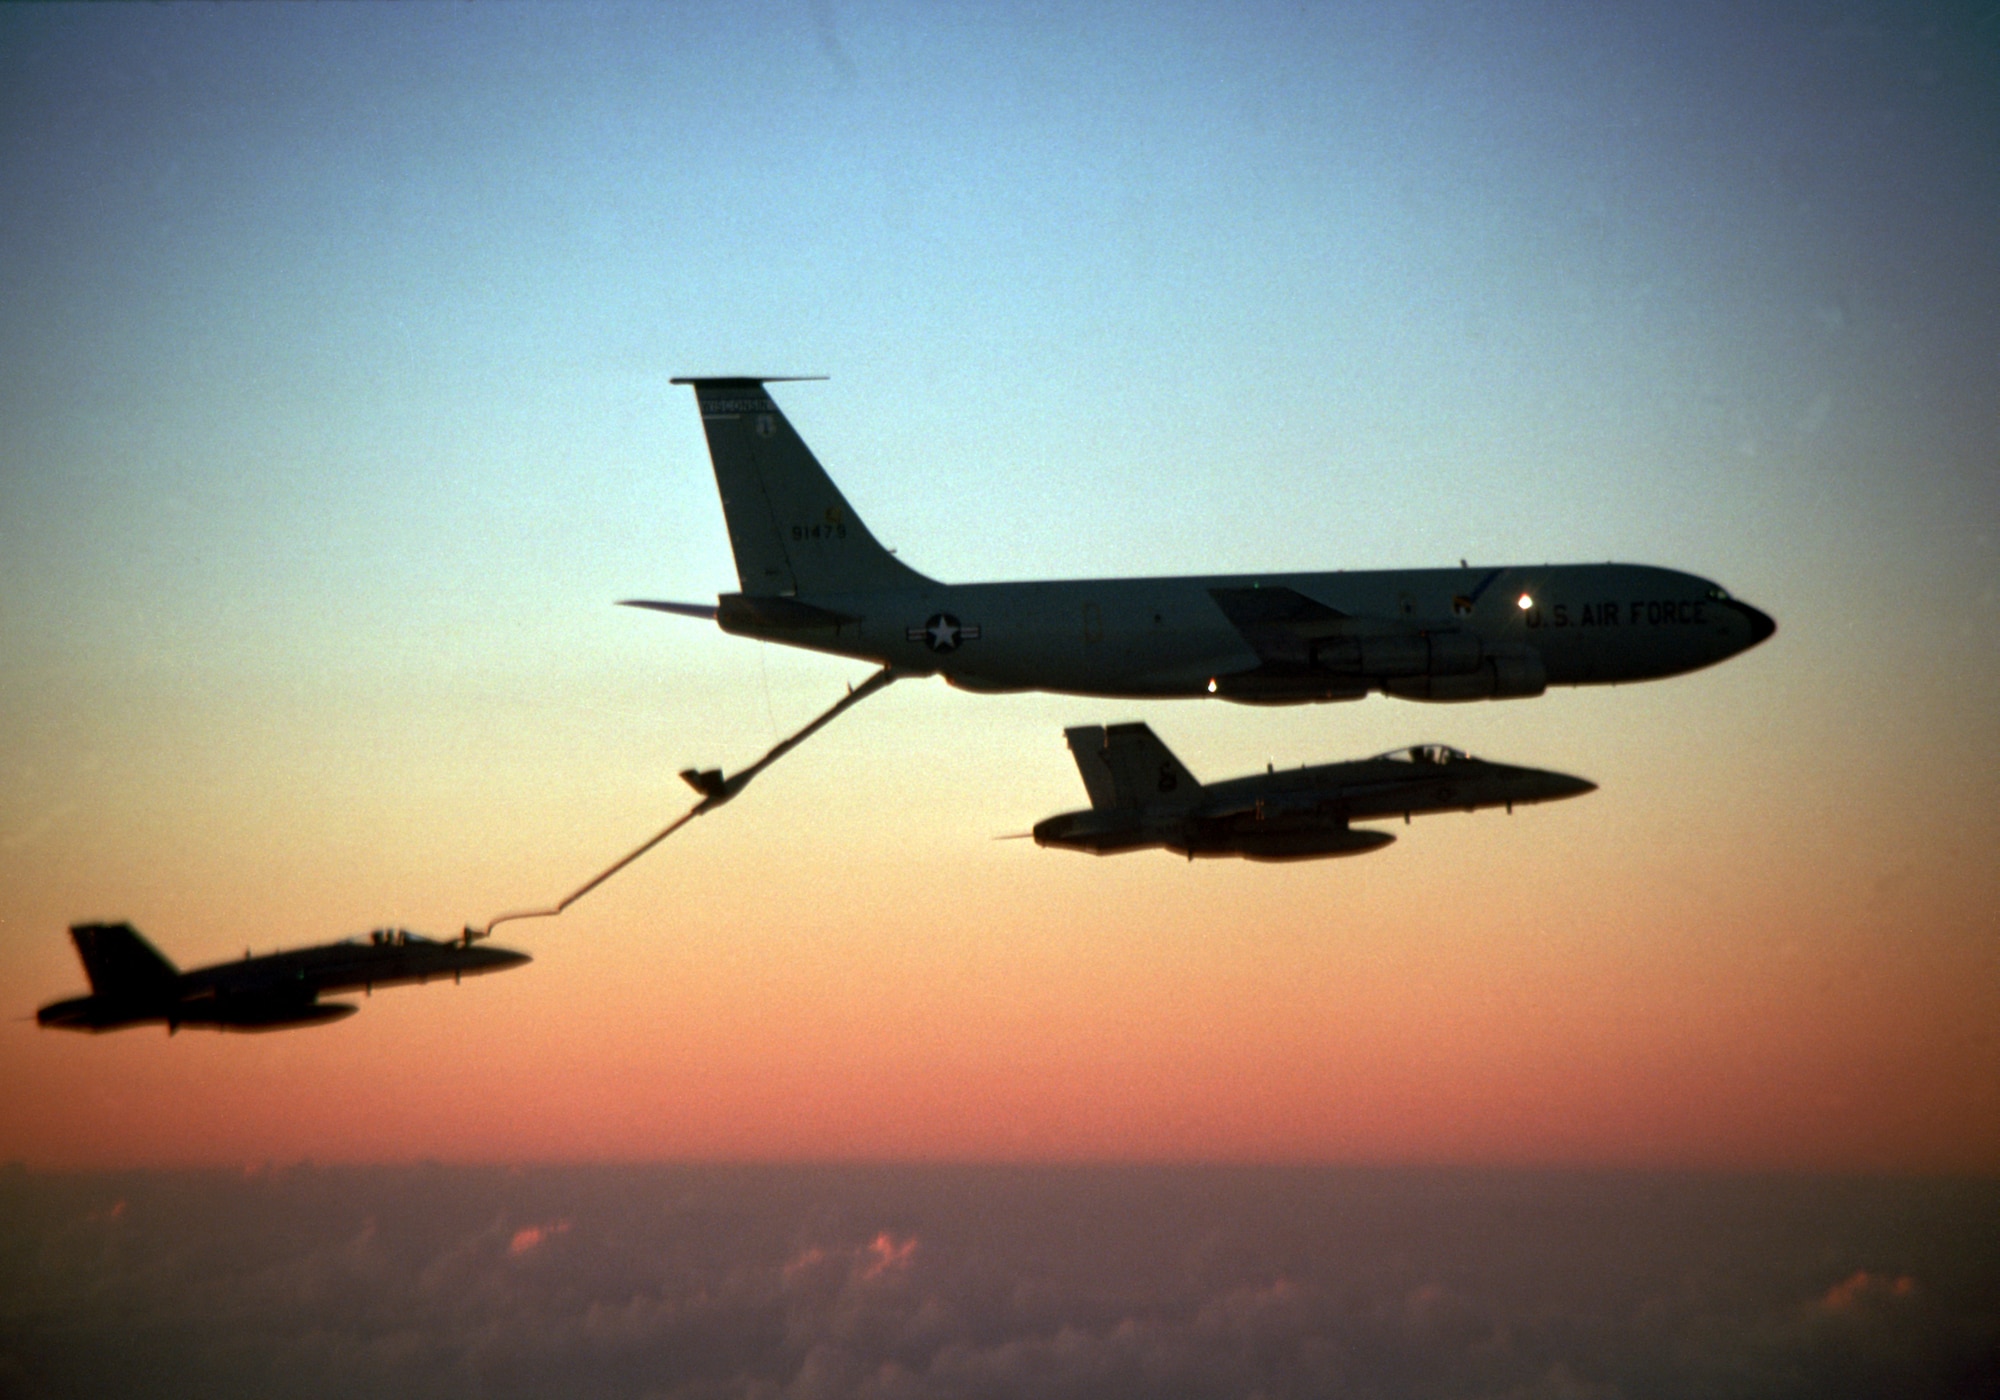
(1141, 797)
(812, 575)
(131, 984)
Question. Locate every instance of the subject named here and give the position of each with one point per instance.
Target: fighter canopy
(1433, 754)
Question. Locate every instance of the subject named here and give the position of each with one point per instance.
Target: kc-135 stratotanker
(812, 575)
(1141, 798)
(131, 984)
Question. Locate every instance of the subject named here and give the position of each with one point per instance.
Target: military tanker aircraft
(1141, 797)
(812, 575)
(131, 984)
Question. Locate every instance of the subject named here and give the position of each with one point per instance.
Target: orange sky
(1625, 979)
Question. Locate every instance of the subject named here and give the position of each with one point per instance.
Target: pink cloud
(888, 1253)
(1861, 1285)
(802, 1261)
(529, 1236)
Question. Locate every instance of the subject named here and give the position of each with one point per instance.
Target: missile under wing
(813, 575)
(132, 984)
(1142, 797)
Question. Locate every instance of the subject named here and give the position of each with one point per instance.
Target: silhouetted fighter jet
(131, 984)
(1141, 796)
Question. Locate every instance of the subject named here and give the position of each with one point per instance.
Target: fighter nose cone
(1544, 786)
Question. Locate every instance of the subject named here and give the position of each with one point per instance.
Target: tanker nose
(1762, 625)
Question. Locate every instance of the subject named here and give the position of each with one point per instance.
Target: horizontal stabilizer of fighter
(132, 984)
(1142, 798)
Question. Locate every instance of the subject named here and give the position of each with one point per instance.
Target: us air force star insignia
(942, 633)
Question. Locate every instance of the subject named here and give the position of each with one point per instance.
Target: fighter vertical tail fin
(1126, 766)
(789, 526)
(1086, 745)
(118, 961)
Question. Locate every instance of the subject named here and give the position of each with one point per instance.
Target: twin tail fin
(1125, 766)
(119, 962)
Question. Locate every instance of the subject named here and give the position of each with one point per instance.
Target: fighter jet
(131, 984)
(1141, 797)
(812, 575)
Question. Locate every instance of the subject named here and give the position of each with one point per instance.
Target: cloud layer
(968, 1282)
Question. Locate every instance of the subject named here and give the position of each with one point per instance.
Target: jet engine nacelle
(1505, 676)
(1268, 686)
(1406, 654)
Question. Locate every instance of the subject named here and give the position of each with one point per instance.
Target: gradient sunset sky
(334, 420)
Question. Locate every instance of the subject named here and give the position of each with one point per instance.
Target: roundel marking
(942, 632)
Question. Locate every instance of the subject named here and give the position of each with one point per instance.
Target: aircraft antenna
(715, 790)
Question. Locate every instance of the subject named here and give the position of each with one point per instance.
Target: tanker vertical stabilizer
(790, 528)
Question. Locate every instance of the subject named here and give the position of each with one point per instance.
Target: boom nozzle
(708, 782)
